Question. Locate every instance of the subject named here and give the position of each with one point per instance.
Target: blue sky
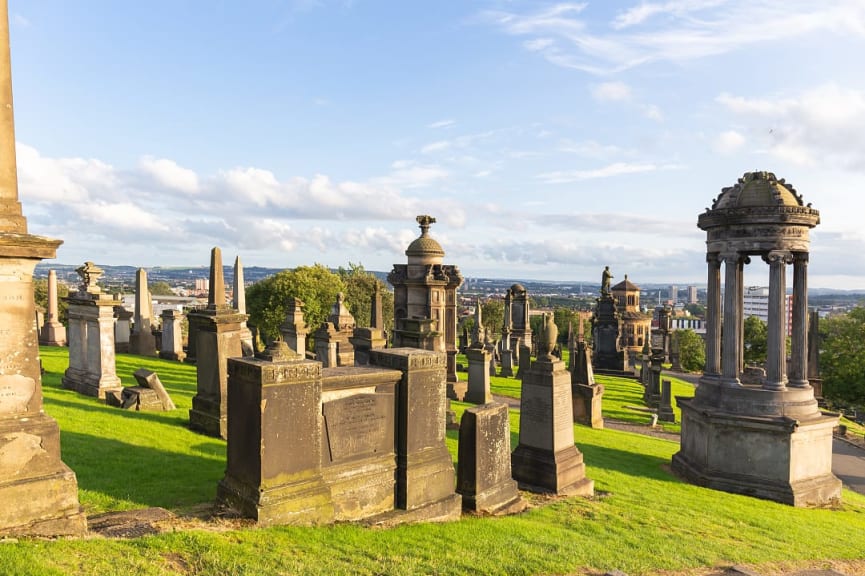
(548, 139)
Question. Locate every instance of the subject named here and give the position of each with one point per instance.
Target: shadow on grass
(145, 476)
(175, 417)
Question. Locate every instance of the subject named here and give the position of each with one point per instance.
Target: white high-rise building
(756, 303)
(692, 294)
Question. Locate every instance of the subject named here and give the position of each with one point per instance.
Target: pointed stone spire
(143, 303)
(11, 218)
(216, 296)
(239, 291)
(376, 317)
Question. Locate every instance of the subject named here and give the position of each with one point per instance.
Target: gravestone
(525, 361)
(239, 303)
(294, 330)
(122, 329)
(141, 340)
(665, 405)
(217, 339)
(38, 492)
(149, 395)
(365, 339)
(484, 463)
(546, 459)
(586, 394)
(172, 335)
(333, 339)
(521, 330)
(478, 391)
(52, 333)
(92, 369)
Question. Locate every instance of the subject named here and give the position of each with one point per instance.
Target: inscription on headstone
(358, 426)
(15, 393)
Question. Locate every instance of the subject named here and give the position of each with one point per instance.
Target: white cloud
(611, 92)
(824, 125)
(729, 141)
(437, 146)
(168, 173)
(652, 112)
(442, 124)
(610, 170)
(566, 34)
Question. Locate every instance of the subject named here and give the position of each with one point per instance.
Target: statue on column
(606, 276)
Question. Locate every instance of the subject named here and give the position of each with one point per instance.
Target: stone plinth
(478, 391)
(122, 329)
(273, 470)
(52, 333)
(218, 338)
(92, 369)
(665, 405)
(774, 445)
(365, 339)
(609, 355)
(525, 360)
(546, 459)
(294, 330)
(172, 335)
(586, 395)
(425, 474)
(484, 464)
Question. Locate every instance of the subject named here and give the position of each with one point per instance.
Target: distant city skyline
(548, 139)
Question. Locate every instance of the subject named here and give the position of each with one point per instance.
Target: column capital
(778, 256)
(800, 257)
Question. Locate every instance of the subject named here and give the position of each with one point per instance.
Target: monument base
(305, 501)
(89, 387)
(360, 491)
(587, 402)
(39, 492)
(205, 417)
(776, 457)
(562, 472)
(447, 509)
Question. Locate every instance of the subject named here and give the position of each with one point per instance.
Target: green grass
(641, 521)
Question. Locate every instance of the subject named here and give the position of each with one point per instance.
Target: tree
(359, 289)
(493, 316)
(842, 356)
(755, 339)
(697, 310)
(161, 288)
(40, 296)
(315, 285)
(692, 350)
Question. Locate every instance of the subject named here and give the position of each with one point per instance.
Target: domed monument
(425, 299)
(768, 440)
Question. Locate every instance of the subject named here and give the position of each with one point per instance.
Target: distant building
(698, 325)
(674, 294)
(692, 294)
(756, 303)
(202, 284)
(635, 325)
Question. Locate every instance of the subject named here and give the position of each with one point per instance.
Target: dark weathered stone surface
(546, 459)
(478, 390)
(484, 464)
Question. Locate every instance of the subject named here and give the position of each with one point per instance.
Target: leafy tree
(359, 289)
(40, 295)
(692, 350)
(842, 356)
(697, 310)
(755, 338)
(160, 288)
(315, 285)
(493, 316)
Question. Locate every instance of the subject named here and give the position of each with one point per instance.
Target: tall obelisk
(39, 492)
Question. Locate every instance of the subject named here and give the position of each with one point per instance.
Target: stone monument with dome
(425, 300)
(768, 440)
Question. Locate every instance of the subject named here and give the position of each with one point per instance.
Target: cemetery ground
(642, 520)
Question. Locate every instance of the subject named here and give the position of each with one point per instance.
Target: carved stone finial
(425, 221)
(90, 273)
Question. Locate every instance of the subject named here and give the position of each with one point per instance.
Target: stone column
(294, 329)
(740, 312)
(239, 304)
(142, 341)
(776, 347)
(172, 335)
(53, 332)
(732, 306)
(799, 340)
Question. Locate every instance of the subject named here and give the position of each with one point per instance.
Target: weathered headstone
(141, 340)
(239, 303)
(525, 360)
(217, 339)
(478, 391)
(665, 405)
(38, 492)
(53, 333)
(484, 462)
(333, 339)
(586, 394)
(521, 330)
(294, 330)
(365, 339)
(172, 335)
(92, 370)
(546, 459)
(608, 353)
(122, 329)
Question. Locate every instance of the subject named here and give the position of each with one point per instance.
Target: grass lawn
(641, 521)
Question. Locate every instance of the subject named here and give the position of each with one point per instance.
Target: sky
(548, 139)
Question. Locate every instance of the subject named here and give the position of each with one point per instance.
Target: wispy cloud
(441, 124)
(608, 171)
(566, 34)
(611, 91)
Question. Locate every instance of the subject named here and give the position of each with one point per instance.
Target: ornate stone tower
(768, 440)
(634, 326)
(39, 492)
(424, 288)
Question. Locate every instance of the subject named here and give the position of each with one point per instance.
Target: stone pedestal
(92, 370)
(218, 339)
(172, 336)
(484, 464)
(587, 404)
(665, 406)
(478, 391)
(546, 459)
(770, 444)
(294, 330)
(425, 473)
(52, 332)
(273, 470)
(525, 360)
(365, 339)
(507, 356)
(122, 329)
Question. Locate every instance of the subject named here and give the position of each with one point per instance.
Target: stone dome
(425, 249)
(758, 189)
(518, 288)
